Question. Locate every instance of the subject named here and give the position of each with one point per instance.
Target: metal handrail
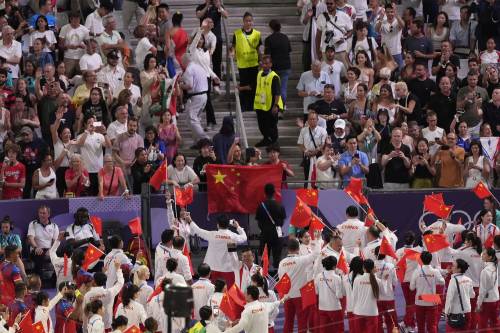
(231, 75)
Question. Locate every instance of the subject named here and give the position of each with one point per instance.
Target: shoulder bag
(458, 320)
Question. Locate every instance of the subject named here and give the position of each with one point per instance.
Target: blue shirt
(356, 171)
(10, 239)
(50, 19)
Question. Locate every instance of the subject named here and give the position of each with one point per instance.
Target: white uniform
(269, 299)
(327, 251)
(330, 290)
(176, 279)
(488, 285)
(411, 265)
(58, 264)
(295, 267)
(203, 289)
(42, 314)
(363, 300)
(11, 329)
(305, 250)
(451, 229)
(106, 296)
(243, 275)
(44, 236)
(196, 77)
(348, 284)
(385, 271)
(134, 312)
(145, 292)
(352, 231)
(424, 281)
(484, 232)
(95, 324)
(254, 318)
(78, 232)
(452, 304)
(183, 267)
(471, 257)
(369, 250)
(214, 302)
(218, 257)
(109, 267)
(155, 309)
(162, 254)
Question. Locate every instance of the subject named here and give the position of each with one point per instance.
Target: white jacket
(58, 264)
(162, 254)
(155, 309)
(352, 231)
(134, 312)
(254, 318)
(424, 281)
(109, 267)
(243, 275)
(183, 267)
(42, 314)
(203, 289)
(488, 285)
(107, 297)
(295, 267)
(330, 290)
(471, 257)
(411, 265)
(452, 305)
(369, 250)
(176, 278)
(364, 302)
(145, 292)
(95, 324)
(11, 329)
(385, 271)
(217, 256)
(269, 299)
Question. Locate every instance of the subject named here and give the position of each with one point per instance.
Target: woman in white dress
(477, 167)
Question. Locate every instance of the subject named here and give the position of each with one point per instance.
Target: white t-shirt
(91, 152)
(90, 62)
(94, 23)
(334, 72)
(431, 137)
(343, 24)
(135, 90)
(141, 51)
(74, 37)
(47, 34)
(362, 45)
(391, 36)
(8, 52)
(116, 128)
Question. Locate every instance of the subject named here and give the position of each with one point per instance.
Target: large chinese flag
(135, 226)
(309, 196)
(386, 248)
(481, 191)
(436, 206)
(97, 224)
(284, 285)
(435, 242)
(92, 254)
(229, 308)
(308, 294)
(237, 295)
(240, 189)
(159, 177)
(26, 323)
(355, 191)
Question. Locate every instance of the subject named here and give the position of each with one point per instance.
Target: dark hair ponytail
(261, 282)
(368, 266)
(475, 241)
(356, 267)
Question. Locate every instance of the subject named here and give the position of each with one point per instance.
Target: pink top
(113, 191)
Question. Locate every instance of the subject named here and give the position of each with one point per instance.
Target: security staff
(267, 102)
(246, 44)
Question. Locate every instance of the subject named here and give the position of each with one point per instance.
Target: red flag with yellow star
(308, 294)
(481, 191)
(97, 224)
(342, 263)
(436, 206)
(26, 323)
(91, 256)
(133, 329)
(159, 177)
(435, 242)
(309, 196)
(38, 327)
(240, 189)
(387, 249)
(265, 261)
(302, 214)
(184, 196)
(284, 285)
(355, 191)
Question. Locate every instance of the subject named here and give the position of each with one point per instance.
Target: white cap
(339, 123)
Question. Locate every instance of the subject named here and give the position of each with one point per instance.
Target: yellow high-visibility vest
(264, 99)
(246, 48)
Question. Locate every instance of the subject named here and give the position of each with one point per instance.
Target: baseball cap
(339, 123)
(26, 130)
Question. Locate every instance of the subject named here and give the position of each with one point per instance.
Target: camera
(328, 36)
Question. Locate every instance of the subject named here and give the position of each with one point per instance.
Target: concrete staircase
(263, 11)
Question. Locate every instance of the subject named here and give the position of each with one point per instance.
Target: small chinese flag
(435, 242)
(316, 224)
(38, 328)
(65, 265)
(92, 254)
(133, 329)
(458, 235)
(434, 204)
(342, 263)
(265, 261)
(135, 226)
(369, 220)
(386, 248)
(413, 256)
(159, 177)
(488, 243)
(26, 324)
(308, 196)
(308, 295)
(301, 216)
(431, 298)
(237, 295)
(185, 252)
(183, 196)
(97, 224)
(156, 292)
(355, 191)
(401, 269)
(229, 308)
(481, 191)
(284, 285)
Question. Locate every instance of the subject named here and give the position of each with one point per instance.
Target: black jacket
(266, 226)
